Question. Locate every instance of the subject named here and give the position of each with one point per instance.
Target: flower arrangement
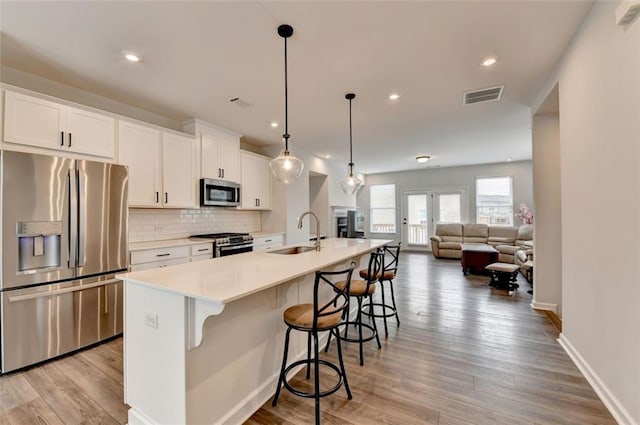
(525, 214)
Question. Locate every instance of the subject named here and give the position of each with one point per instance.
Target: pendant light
(351, 184)
(286, 168)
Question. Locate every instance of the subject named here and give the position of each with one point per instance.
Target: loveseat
(514, 244)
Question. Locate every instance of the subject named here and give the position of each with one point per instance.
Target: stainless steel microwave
(219, 193)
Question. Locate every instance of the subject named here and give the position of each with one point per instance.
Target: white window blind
(383, 208)
(450, 206)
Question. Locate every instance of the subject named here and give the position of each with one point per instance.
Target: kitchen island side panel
(235, 369)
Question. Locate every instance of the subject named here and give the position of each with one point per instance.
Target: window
(449, 207)
(383, 208)
(494, 201)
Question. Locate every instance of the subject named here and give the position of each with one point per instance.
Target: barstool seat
(387, 275)
(359, 288)
(301, 316)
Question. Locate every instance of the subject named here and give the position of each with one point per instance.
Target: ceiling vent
(239, 102)
(484, 95)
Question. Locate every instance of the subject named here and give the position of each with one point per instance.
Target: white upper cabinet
(219, 151)
(161, 166)
(41, 123)
(178, 178)
(255, 190)
(139, 149)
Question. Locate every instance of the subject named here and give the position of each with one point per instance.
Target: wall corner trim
(620, 414)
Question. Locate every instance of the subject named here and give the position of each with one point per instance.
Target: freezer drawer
(47, 321)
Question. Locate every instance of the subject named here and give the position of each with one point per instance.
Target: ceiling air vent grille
(484, 95)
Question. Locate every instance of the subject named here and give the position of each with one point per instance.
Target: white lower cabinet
(267, 242)
(169, 256)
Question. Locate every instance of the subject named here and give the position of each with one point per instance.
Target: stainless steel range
(229, 243)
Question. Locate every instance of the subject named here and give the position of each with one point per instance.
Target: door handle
(223, 173)
(219, 172)
(404, 220)
(73, 217)
(62, 138)
(157, 197)
(82, 218)
(258, 201)
(61, 291)
(69, 139)
(166, 197)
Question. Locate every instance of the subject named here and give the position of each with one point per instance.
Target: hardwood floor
(463, 354)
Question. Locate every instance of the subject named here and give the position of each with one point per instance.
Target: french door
(417, 219)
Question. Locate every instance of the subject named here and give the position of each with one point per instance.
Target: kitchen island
(203, 341)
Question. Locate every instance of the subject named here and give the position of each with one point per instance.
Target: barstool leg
(384, 313)
(359, 321)
(317, 376)
(284, 365)
(375, 327)
(308, 355)
(344, 371)
(393, 299)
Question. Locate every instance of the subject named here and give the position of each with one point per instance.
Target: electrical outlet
(151, 320)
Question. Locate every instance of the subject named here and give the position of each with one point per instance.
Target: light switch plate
(151, 320)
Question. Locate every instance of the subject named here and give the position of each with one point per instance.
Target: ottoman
(503, 276)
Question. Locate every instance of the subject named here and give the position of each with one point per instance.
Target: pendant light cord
(286, 101)
(350, 139)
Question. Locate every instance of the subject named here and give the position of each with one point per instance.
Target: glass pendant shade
(286, 168)
(351, 184)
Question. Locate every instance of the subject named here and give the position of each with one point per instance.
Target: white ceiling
(196, 56)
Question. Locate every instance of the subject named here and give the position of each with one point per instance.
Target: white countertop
(225, 279)
(167, 243)
(263, 234)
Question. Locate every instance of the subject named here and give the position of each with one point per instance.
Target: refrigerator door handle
(73, 217)
(76, 288)
(82, 219)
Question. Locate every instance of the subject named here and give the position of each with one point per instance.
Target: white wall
(599, 81)
(546, 200)
(449, 177)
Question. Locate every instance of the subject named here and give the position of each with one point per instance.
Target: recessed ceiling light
(489, 61)
(394, 96)
(509, 160)
(273, 124)
(423, 158)
(131, 56)
(327, 156)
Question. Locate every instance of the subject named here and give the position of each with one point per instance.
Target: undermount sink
(293, 250)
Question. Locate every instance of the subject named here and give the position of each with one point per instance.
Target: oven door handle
(234, 247)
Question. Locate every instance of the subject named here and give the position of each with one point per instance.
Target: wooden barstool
(362, 290)
(391, 257)
(314, 318)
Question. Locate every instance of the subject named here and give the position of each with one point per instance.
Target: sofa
(514, 244)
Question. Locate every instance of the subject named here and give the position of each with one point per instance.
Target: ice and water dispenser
(39, 245)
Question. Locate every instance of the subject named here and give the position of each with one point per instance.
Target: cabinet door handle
(203, 249)
(166, 197)
(268, 240)
(219, 172)
(157, 197)
(258, 201)
(69, 139)
(62, 138)
(163, 255)
(223, 173)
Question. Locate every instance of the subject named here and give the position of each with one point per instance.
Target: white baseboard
(620, 414)
(137, 418)
(544, 306)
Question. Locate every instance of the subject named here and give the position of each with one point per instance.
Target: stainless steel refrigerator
(64, 237)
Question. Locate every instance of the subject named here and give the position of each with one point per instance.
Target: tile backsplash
(159, 224)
